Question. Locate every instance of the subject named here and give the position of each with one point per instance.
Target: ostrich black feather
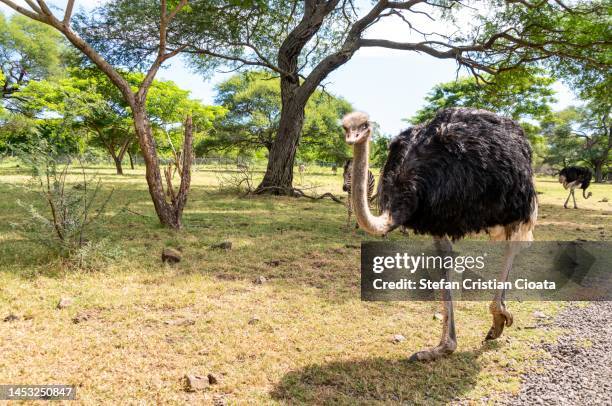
(577, 174)
(463, 172)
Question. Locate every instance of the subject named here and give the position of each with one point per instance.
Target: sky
(387, 84)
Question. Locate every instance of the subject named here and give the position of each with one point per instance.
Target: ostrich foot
(441, 350)
(501, 318)
(565, 206)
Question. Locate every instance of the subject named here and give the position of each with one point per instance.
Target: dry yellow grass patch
(303, 337)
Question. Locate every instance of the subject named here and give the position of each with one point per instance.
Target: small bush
(239, 181)
(64, 213)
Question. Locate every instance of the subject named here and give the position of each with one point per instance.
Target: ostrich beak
(352, 136)
(355, 136)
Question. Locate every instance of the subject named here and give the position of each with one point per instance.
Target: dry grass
(314, 341)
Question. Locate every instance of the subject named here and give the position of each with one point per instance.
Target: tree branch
(35, 15)
(68, 12)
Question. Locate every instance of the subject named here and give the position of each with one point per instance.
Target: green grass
(315, 341)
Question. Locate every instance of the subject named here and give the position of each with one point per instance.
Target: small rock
(225, 245)
(180, 322)
(219, 400)
(170, 256)
(398, 338)
(539, 315)
(80, 317)
(438, 316)
(273, 262)
(260, 280)
(10, 317)
(196, 382)
(212, 379)
(604, 200)
(254, 320)
(65, 302)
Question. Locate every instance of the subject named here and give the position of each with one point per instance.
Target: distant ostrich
(302, 169)
(346, 186)
(465, 171)
(574, 177)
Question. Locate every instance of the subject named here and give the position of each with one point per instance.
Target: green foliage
(539, 147)
(253, 104)
(62, 214)
(29, 50)
(580, 135)
(517, 94)
(14, 130)
(2, 111)
(90, 105)
(589, 76)
(322, 135)
(379, 148)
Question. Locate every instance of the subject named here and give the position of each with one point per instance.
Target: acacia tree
(253, 101)
(28, 51)
(516, 94)
(86, 101)
(168, 212)
(580, 135)
(304, 41)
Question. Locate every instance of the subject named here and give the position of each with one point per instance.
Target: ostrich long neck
(378, 225)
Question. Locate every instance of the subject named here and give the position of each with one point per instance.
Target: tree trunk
(131, 160)
(165, 211)
(118, 165)
(598, 172)
(278, 178)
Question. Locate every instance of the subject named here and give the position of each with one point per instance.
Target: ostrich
(302, 169)
(465, 171)
(574, 177)
(346, 186)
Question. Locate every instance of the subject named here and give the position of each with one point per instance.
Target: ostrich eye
(364, 126)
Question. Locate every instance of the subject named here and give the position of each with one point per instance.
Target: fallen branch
(295, 192)
(126, 209)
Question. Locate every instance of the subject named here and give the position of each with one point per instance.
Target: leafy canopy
(253, 102)
(29, 50)
(517, 94)
(578, 136)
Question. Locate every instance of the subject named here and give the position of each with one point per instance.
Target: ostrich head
(357, 127)
(357, 131)
(562, 175)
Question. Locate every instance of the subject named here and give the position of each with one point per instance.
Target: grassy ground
(303, 337)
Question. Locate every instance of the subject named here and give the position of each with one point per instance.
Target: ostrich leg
(448, 341)
(349, 210)
(574, 197)
(501, 316)
(567, 200)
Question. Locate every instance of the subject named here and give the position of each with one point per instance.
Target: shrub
(64, 213)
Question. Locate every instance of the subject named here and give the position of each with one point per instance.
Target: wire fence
(229, 163)
(138, 160)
